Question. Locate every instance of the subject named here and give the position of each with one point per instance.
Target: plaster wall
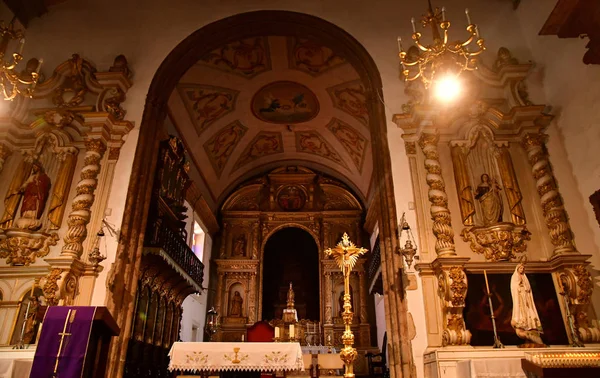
(573, 90)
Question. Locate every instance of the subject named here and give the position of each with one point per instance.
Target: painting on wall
(285, 102)
(312, 57)
(311, 142)
(265, 143)
(247, 57)
(220, 147)
(207, 104)
(354, 143)
(477, 309)
(351, 98)
(291, 198)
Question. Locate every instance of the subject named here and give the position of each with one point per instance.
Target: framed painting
(477, 309)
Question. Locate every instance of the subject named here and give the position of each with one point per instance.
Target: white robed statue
(525, 319)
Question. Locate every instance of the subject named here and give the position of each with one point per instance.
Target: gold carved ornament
(346, 254)
(500, 242)
(511, 186)
(13, 195)
(24, 248)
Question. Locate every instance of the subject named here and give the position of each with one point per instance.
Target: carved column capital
(95, 145)
(440, 214)
(578, 285)
(452, 289)
(555, 215)
(410, 147)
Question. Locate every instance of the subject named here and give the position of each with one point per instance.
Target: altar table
(217, 357)
(490, 368)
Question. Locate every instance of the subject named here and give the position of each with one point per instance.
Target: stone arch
(123, 278)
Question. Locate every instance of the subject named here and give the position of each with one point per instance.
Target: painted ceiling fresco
(253, 104)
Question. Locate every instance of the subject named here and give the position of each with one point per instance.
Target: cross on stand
(346, 254)
(69, 320)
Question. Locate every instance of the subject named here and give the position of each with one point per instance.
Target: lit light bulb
(448, 88)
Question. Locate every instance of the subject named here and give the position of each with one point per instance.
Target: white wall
(193, 316)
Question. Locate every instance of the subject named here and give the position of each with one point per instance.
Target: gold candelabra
(425, 61)
(12, 82)
(346, 254)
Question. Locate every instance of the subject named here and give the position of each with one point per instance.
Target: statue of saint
(235, 305)
(525, 319)
(35, 194)
(239, 247)
(31, 321)
(488, 194)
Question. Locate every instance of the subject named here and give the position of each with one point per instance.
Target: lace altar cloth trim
(267, 357)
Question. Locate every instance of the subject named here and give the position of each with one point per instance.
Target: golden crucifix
(346, 254)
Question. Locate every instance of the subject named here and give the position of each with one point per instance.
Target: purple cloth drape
(72, 355)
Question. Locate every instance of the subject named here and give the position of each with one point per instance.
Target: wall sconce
(212, 323)
(410, 246)
(13, 83)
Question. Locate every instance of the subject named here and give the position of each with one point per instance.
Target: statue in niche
(31, 321)
(525, 319)
(235, 305)
(239, 247)
(488, 195)
(35, 194)
(290, 297)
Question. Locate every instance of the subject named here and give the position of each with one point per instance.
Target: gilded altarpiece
(58, 151)
(486, 198)
(288, 197)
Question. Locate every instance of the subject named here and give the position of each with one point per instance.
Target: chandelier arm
(414, 77)
(410, 64)
(420, 46)
(468, 41)
(445, 37)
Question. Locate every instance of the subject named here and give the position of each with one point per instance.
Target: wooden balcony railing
(162, 236)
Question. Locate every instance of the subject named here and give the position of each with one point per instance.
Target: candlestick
(487, 285)
(412, 21)
(468, 16)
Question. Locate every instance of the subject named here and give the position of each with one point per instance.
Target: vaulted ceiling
(260, 102)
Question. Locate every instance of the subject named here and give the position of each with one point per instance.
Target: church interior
(299, 189)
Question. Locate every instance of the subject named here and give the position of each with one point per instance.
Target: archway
(291, 255)
(124, 275)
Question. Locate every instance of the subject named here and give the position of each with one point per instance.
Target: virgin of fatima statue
(525, 319)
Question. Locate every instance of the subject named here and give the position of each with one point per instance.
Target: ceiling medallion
(285, 102)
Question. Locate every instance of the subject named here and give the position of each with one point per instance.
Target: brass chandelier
(441, 57)
(12, 82)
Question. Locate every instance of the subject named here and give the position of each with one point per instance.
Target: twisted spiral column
(442, 225)
(552, 204)
(82, 203)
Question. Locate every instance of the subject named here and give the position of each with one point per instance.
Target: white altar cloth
(490, 368)
(267, 357)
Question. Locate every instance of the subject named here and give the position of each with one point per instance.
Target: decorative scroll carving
(552, 205)
(5, 152)
(511, 186)
(499, 242)
(83, 201)
(452, 288)
(23, 247)
(465, 191)
(442, 225)
(50, 286)
(578, 284)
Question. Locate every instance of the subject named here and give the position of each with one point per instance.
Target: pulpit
(74, 342)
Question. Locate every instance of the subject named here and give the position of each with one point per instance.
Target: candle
(276, 332)
(243, 336)
(21, 45)
(468, 16)
(412, 21)
(291, 331)
(487, 285)
(399, 44)
(477, 31)
(39, 67)
(443, 13)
